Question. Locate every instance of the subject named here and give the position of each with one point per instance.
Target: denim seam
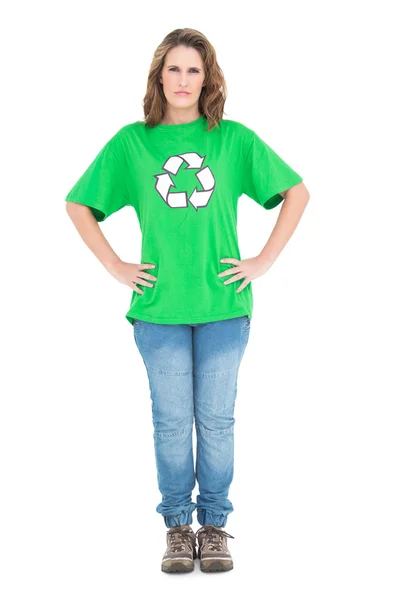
(162, 372)
(173, 433)
(214, 431)
(213, 375)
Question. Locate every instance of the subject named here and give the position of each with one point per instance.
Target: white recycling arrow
(199, 198)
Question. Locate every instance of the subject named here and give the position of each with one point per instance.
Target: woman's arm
(296, 200)
(130, 274)
(89, 230)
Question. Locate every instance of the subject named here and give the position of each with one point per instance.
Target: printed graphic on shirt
(164, 181)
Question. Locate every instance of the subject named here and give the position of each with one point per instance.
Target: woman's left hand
(248, 268)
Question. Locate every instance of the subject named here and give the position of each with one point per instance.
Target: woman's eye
(194, 70)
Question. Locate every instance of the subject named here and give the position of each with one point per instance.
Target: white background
(316, 488)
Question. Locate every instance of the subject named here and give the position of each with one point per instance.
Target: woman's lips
(182, 93)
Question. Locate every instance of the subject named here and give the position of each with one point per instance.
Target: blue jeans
(193, 371)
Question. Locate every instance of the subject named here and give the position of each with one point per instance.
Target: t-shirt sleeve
(265, 173)
(103, 186)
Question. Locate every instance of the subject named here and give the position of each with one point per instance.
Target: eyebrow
(198, 68)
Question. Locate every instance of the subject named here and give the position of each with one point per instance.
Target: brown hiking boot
(213, 549)
(181, 550)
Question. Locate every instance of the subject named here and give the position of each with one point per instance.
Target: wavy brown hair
(213, 94)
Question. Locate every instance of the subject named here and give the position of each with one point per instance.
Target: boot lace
(213, 536)
(178, 537)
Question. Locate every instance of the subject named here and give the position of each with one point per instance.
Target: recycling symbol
(199, 198)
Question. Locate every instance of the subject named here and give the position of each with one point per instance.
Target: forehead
(181, 55)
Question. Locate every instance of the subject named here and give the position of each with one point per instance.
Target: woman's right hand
(132, 274)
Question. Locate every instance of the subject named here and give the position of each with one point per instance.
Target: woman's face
(183, 70)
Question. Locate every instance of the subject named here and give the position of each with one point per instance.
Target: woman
(183, 169)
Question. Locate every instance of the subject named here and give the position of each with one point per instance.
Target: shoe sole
(212, 565)
(177, 566)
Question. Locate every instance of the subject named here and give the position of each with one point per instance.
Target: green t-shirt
(184, 183)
